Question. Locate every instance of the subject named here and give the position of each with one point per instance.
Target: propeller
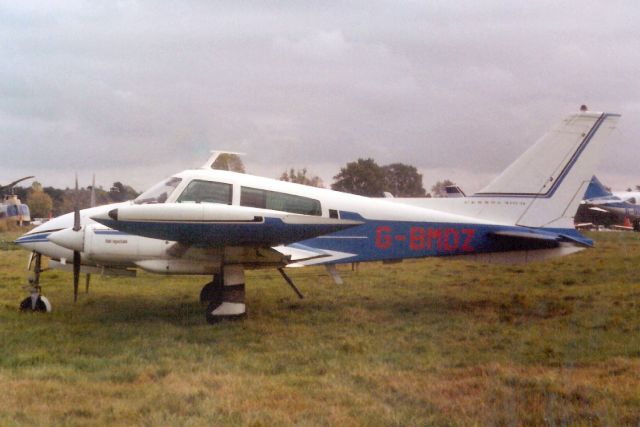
(76, 254)
(92, 203)
(11, 185)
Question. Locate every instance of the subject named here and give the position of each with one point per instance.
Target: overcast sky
(138, 90)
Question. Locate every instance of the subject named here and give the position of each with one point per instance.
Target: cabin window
(206, 192)
(333, 214)
(264, 199)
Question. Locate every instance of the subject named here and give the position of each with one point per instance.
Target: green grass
(428, 342)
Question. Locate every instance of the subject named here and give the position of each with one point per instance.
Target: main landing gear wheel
(39, 304)
(212, 291)
(227, 302)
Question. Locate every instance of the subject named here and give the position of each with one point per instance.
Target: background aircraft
(11, 208)
(454, 191)
(602, 207)
(632, 197)
(219, 223)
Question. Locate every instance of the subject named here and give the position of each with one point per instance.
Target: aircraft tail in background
(596, 190)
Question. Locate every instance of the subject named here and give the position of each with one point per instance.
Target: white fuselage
(109, 248)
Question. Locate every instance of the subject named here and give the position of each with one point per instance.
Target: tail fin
(550, 179)
(596, 190)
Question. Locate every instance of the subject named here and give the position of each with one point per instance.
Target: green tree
(57, 195)
(439, 188)
(403, 180)
(120, 192)
(229, 162)
(364, 177)
(40, 203)
(300, 177)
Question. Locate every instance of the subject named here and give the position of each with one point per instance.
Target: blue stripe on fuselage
(386, 240)
(372, 240)
(32, 238)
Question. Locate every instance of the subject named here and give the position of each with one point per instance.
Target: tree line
(363, 177)
(50, 201)
(366, 178)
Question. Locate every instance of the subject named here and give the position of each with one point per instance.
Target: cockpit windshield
(159, 193)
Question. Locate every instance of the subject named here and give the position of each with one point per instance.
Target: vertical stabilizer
(550, 179)
(596, 190)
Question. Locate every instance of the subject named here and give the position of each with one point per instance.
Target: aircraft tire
(212, 291)
(42, 305)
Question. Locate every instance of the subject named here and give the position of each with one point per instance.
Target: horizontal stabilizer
(542, 238)
(526, 235)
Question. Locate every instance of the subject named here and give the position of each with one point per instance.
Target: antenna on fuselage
(214, 156)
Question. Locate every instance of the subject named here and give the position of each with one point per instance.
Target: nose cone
(68, 238)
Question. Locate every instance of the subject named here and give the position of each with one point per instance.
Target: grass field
(429, 342)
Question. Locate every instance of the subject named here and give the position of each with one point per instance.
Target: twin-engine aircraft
(220, 223)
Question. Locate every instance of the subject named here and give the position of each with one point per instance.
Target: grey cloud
(124, 87)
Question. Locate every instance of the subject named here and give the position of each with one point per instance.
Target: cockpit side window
(159, 193)
(199, 191)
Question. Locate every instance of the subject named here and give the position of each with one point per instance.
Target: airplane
(601, 206)
(454, 191)
(632, 197)
(11, 208)
(220, 223)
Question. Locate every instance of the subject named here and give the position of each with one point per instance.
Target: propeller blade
(32, 256)
(76, 210)
(76, 274)
(86, 283)
(12, 184)
(76, 219)
(76, 254)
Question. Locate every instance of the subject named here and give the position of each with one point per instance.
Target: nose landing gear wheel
(35, 301)
(39, 304)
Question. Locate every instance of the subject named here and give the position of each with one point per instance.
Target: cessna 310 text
(219, 223)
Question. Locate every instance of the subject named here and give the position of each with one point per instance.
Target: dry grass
(430, 342)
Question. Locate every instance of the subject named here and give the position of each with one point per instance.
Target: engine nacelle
(105, 246)
(181, 266)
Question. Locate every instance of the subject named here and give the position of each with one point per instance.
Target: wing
(217, 225)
